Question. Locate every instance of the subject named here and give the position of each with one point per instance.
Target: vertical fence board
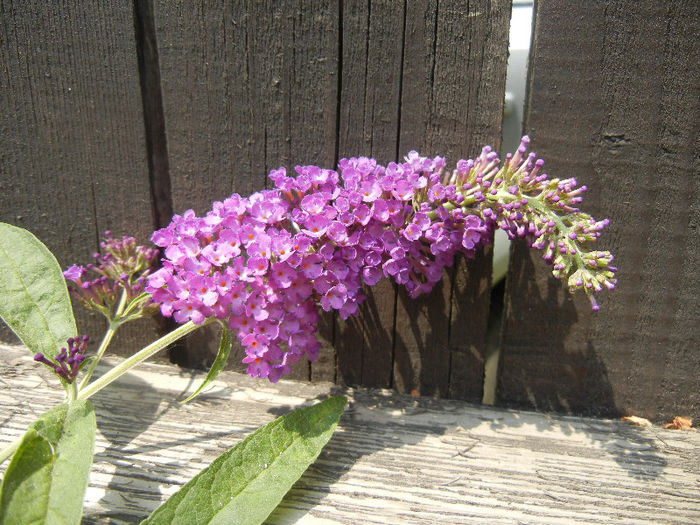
(239, 78)
(73, 161)
(452, 100)
(372, 40)
(614, 101)
(246, 88)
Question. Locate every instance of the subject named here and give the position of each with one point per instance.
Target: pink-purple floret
(122, 265)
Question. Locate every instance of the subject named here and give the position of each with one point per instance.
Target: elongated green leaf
(245, 484)
(47, 477)
(218, 364)
(34, 299)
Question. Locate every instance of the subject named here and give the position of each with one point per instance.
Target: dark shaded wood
(614, 100)
(370, 101)
(246, 88)
(154, 120)
(471, 293)
(73, 161)
(453, 85)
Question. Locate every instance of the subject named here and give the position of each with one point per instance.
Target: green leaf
(47, 477)
(245, 484)
(218, 364)
(34, 299)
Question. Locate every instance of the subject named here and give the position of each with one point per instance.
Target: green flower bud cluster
(114, 285)
(527, 204)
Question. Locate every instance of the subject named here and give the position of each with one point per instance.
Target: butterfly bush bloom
(122, 265)
(263, 263)
(67, 363)
(526, 203)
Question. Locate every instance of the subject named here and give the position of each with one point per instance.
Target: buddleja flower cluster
(526, 203)
(68, 362)
(121, 268)
(263, 263)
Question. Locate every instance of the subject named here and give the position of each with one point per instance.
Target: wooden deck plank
(393, 459)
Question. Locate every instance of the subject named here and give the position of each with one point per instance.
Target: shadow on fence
(556, 372)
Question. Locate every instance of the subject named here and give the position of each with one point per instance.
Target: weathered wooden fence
(117, 114)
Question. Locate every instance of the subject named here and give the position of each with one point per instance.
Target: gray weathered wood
(614, 100)
(246, 89)
(73, 160)
(393, 458)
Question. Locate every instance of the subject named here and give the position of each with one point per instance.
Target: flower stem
(100, 352)
(71, 392)
(122, 304)
(137, 358)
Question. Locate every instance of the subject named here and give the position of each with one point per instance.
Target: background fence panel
(116, 115)
(614, 101)
(452, 103)
(249, 88)
(246, 89)
(73, 157)
(372, 42)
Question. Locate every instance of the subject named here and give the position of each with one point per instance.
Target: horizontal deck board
(393, 459)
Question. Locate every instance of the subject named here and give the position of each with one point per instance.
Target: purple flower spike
(267, 262)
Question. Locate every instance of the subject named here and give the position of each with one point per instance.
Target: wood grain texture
(453, 84)
(614, 100)
(247, 87)
(393, 458)
(370, 108)
(73, 161)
